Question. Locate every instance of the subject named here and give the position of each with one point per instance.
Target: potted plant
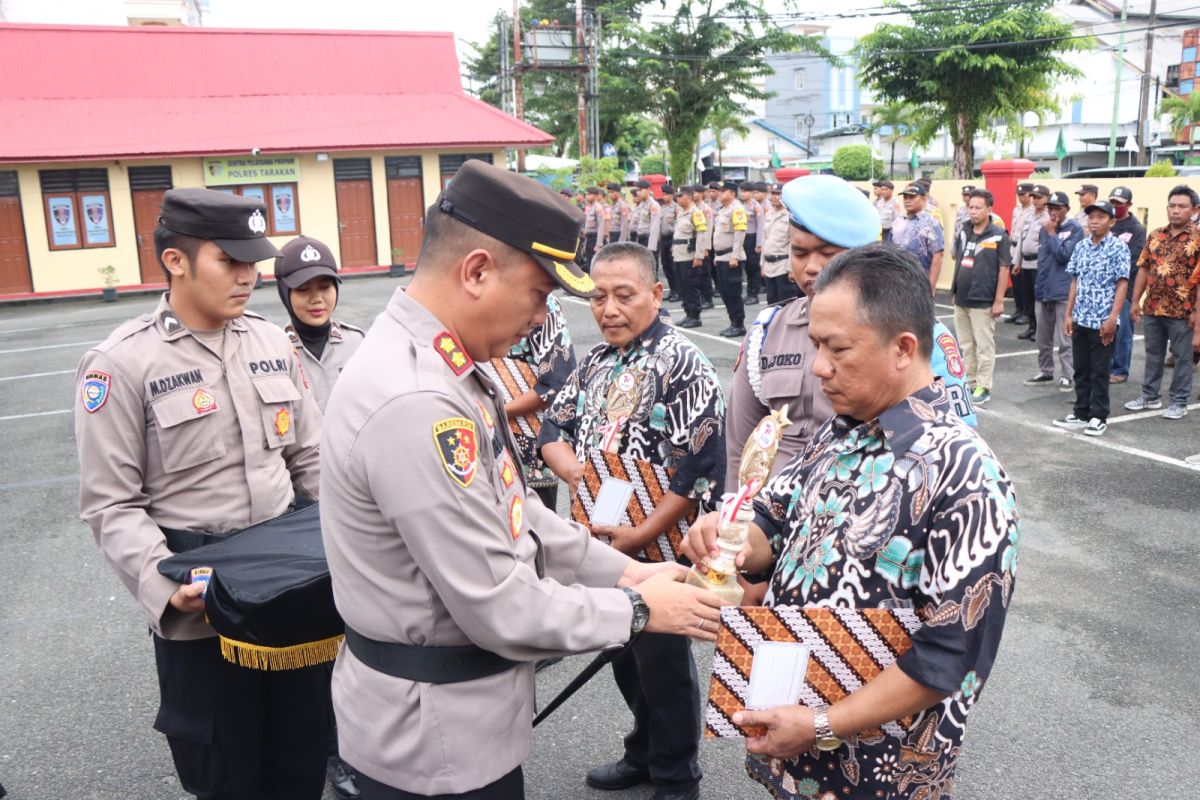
(109, 274)
(397, 269)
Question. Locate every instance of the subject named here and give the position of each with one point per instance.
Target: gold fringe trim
(297, 656)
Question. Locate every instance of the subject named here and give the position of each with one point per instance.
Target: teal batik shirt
(910, 510)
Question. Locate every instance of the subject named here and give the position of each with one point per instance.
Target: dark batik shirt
(911, 510)
(1169, 262)
(677, 419)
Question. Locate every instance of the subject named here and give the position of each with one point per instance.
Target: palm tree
(721, 120)
(894, 123)
(1184, 113)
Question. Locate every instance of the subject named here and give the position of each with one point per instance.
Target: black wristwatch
(641, 612)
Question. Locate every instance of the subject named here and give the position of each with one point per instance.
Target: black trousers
(729, 281)
(1023, 294)
(241, 733)
(657, 678)
(780, 288)
(706, 278)
(589, 251)
(691, 279)
(510, 787)
(753, 264)
(667, 261)
(1093, 363)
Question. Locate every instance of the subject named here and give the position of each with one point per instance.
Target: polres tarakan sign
(237, 170)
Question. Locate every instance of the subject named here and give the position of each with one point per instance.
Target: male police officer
(616, 221)
(451, 576)
(690, 243)
(593, 225)
(667, 214)
(729, 256)
(195, 421)
(755, 212)
(645, 217)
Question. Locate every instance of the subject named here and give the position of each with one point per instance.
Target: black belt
(182, 541)
(427, 664)
(773, 259)
(681, 241)
(723, 252)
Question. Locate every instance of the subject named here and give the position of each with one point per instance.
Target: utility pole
(1112, 133)
(581, 78)
(1144, 111)
(518, 78)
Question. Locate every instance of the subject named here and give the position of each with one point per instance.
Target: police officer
(729, 256)
(709, 205)
(667, 214)
(308, 283)
(593, 224)
(191, 420)
(776, 244)
(1020, 215)
(755, 213)
(618, 216)
(690, 244)
(451, 576)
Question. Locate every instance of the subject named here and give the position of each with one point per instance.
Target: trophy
(720, 576)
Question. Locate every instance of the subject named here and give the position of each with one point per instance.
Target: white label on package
(611, 501)
(776, 674)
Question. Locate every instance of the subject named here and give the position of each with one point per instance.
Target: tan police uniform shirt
(593, 218)
(618, 222)
(690, 239)
(754, 215)
(1025, 255)
(322, 372)
(774, 369)
(645, 216)
(187, 439)
(776, 243)
(667, 215)
(729, 233)
(432, 539)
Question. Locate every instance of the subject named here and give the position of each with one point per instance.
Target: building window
(798, 79)
(78, 208)
(1077, 112)
(282, 202)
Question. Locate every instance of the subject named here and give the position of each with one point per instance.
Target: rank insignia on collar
(516, 515)
(170, 322)
(94, 390)
(283, 423)
(458, 448)
(204, 401)
(450, 350)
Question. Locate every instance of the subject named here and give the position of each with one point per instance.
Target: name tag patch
(161, 386)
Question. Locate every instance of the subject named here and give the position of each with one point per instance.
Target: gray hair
(639, 254)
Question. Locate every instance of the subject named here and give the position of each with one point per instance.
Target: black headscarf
(314, 337)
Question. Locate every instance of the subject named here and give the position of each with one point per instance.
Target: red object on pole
(656, 184)
(1001, 179)
(785, 174)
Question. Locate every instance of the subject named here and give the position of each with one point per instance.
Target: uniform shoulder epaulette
(253, 314)
(124, 331)
(346, 326)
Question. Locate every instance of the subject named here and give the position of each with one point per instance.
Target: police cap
(774, 188)
(916, 188)
(1024, 188)
(237, 225)
(968, 188)
(643, 184)
(730, 185)
(714, 184)
(1040, 190)
(614, 187)
(303, 259)
(885, 185)
(831, 209)
(667, 189)
(1088, 188)
(522, 213)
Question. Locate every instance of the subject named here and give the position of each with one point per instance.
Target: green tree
(1185, 116)
(725, 125)
(684, 63)
(894, 123)
(599, 172)
(855, 163)
(965, 67)
(1161, 169)
(654, 164)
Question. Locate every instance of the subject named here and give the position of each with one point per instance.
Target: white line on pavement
(1145, 415)
(1092, 440)
(1017, 353)
(48, 347)
(36, 375)
(36, 414)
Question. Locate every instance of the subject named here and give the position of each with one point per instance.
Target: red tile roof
(94, 92)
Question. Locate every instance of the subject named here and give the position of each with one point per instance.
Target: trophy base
(724, 586)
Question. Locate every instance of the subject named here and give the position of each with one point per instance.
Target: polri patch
(283, 423)
(516, 515)
(204, 401)
(94, 390)
(458, 448)
(450, 350)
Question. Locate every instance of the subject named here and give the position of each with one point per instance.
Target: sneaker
(1065, 385)
(1142, 404)
(1096, 427)
(1071, 423)
(1175, 411)
(1041, 379)
(980, 396)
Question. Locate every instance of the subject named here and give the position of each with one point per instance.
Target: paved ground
(1092, 696)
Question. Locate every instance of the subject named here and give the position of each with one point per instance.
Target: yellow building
(346, 136)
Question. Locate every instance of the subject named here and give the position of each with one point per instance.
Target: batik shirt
(910, 510)
(678, 413)
(1097, 268)
(922, 236)
(1169, 261)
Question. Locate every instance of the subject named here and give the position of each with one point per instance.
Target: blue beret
(832, 210)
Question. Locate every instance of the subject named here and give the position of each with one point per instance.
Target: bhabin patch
(94, 390)
(204, 401)
(458, 448)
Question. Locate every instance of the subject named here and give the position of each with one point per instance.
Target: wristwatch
(825, 739)
(641, 612)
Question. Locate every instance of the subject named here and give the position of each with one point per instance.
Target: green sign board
(236, 170)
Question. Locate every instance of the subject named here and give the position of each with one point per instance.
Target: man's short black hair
(1184, 190)
(984, 193)
(167, 239)
(893, 291)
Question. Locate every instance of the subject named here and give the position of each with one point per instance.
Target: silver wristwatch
(825, 740)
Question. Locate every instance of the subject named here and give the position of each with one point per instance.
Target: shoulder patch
(458, 448)
(954, 362)
(452, 353)
(94, 390)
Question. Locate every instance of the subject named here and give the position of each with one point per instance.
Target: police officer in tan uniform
(617, 216)
(690, 244)
(308, 283)
(645, 218)
(192, 422)
(776, 244)
(756, 212)
(450, 574)
(667, 214)
(593, 224)
(729, 256)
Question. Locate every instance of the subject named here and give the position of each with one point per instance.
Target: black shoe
(1019, 319)
(673, 298)
(690, 322)
(734, 332)
(617, 775)
(690, 793)
(1011, 319)
(751, 300)
(1028, 334)
(707, 304)
(546, 662)
(341, 778)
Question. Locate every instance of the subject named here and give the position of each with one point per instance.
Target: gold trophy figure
(720, 576)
